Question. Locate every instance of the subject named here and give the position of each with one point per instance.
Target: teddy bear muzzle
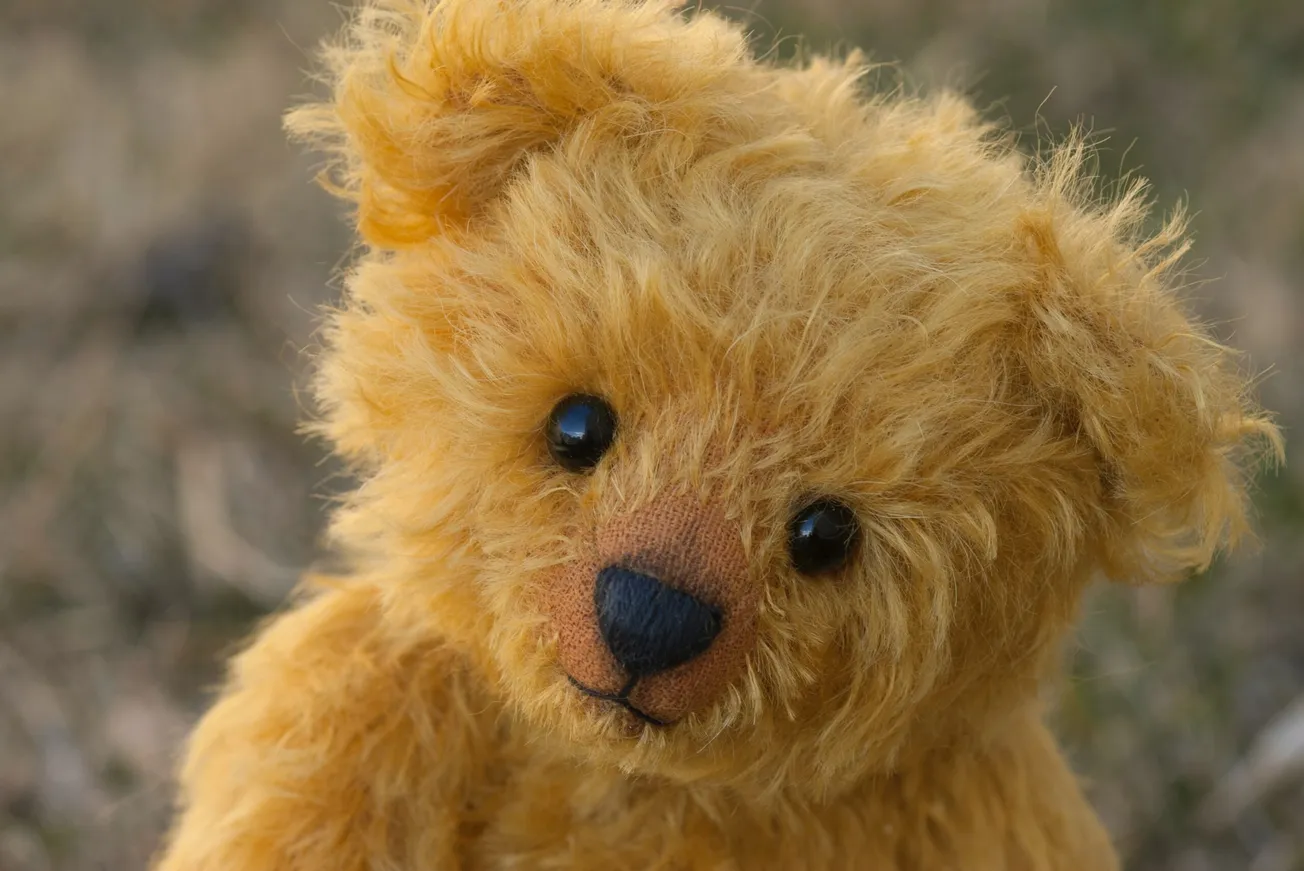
(659, 617)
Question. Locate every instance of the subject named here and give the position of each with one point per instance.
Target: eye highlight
(580, 430)
(822, 536)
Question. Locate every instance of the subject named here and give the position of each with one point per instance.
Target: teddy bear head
(740, 424)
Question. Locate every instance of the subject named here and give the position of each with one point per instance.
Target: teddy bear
(735, 442)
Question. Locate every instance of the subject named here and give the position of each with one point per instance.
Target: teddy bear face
(739, 426)
(755, 340)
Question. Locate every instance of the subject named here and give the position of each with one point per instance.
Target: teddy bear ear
(1120, 365)
(436, 103)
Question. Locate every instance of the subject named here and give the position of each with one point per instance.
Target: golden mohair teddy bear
(734, 444)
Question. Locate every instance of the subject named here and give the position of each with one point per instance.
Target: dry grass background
(161, 256)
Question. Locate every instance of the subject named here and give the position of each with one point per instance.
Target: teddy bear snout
(650, 627)
(660, 616)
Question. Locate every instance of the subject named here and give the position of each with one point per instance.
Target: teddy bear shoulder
(330, 741)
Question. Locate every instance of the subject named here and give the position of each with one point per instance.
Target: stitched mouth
(618, 698)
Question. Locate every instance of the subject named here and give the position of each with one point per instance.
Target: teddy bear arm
(327, 748)
(1011, 805)
(1035, 805)
(1076, 838)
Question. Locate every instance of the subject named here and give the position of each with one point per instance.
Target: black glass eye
(821, 536)
(580, 430)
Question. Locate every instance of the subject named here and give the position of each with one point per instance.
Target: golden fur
(785, 285)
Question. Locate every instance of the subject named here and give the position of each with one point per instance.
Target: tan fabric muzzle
(632, 614)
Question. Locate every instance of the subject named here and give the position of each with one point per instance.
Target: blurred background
(162, 257)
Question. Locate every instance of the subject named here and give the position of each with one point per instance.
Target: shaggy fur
(786, 287)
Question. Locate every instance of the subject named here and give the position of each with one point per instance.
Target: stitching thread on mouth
(620, 698)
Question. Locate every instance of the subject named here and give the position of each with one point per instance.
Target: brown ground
(162, 252)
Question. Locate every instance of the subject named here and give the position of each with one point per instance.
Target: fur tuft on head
(437, 104)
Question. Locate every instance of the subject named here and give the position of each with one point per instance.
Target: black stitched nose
(648, 626)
